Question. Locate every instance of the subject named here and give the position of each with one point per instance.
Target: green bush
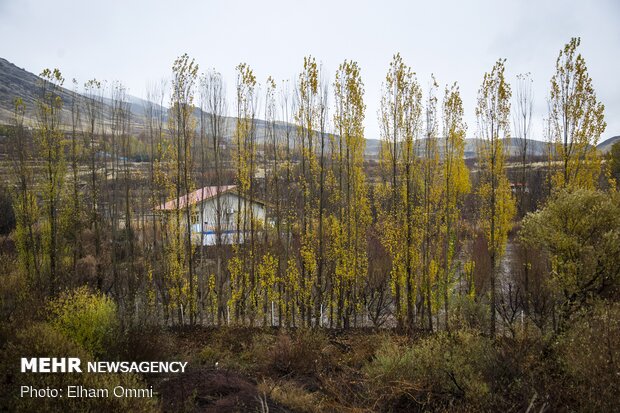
(580, 233)
(469, 313)
(589, 354)
(88, 318)
(440, 371)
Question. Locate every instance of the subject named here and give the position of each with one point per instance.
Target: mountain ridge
(16, 81)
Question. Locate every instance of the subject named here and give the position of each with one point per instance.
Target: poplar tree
(290, 283)
(74, 212)
(24, 198)
(242, 266)
(431, 194)
(116, 126)
(93, 103)
(522, 120)
(214, 94)
(577, 120)
(412, 124)
(51, 145)
(456, 184)
(308, 107)
(400, 116)
(273, 263)
(128, 284)
(497, 207)
(182, 125)
(353, 211)
(159, 149)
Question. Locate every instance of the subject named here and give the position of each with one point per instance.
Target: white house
(205, 206)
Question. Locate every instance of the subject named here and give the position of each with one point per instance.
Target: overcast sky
(137, 41)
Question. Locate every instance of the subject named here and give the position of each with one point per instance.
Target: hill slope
(17, 82)
(606, 145)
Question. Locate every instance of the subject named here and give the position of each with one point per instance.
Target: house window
(230, 214)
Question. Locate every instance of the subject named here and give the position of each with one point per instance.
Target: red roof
(195, 197)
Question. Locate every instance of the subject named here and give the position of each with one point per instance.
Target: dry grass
(291, 395)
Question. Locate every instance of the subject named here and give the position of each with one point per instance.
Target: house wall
(229, 213)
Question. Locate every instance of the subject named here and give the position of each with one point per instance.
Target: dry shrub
(291, 395)
(239, 349)
(7, 245)
(87, 270)
(147, 344)
(210, 356)
(88, 241)
(7, 214)
(13, 290)
(42, 340)
(482, 261)
(19, 302)
(304, 354)
(360, 349)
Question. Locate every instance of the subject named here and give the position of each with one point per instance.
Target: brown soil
(210, 390)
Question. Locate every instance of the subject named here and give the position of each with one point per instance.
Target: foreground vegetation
(416, 282)
(301, 370)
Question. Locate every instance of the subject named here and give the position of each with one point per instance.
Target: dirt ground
(213, 391)
(227, 366)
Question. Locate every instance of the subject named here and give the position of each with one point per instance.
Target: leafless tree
(213, 95)
(522, 121)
